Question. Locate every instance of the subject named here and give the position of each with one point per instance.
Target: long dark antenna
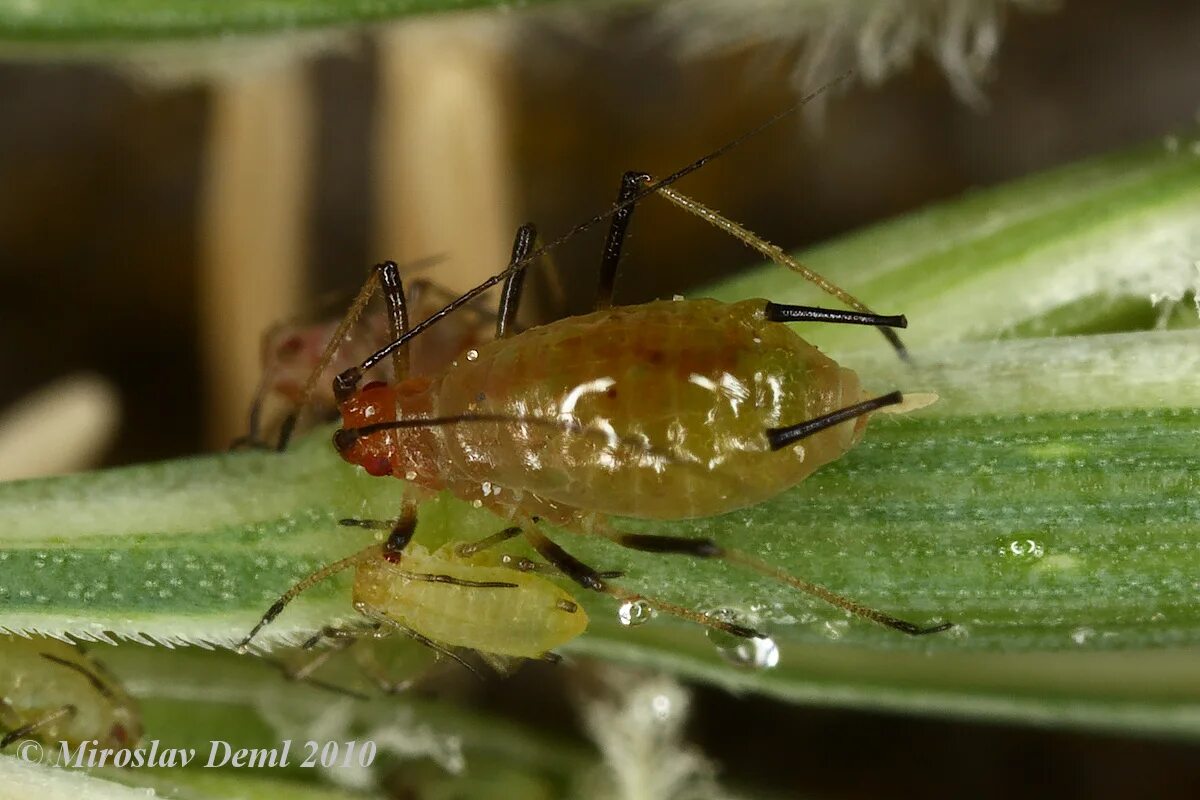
(347, 380)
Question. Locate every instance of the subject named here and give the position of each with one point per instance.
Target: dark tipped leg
(393, 294)
(402, 529)
(631, 182)
(437, 647)
(467, 549)
(520, 563)
(343, 639)
(707, 548)
(589, 578)
(780, 312)
(510, 295)
(780, 438)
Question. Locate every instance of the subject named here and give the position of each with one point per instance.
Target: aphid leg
(627, 196)
(355, 311)
(776, 254)
(371, 667)
(348, 379)
(707, 548)
(520, 563)
(22, 731)
(303, 673)
(510, 294)
(402, 529)
(393, 294)
(589, 578)
(304, 584)
(437, 647)
(467, 549)
(252, 439)
(523, 564)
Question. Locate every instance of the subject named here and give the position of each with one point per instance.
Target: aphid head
(410, 453)
(126, 730)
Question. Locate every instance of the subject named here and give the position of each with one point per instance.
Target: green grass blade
(1061, 252)
(96, 20)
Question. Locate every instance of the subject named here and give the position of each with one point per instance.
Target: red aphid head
(409, 453)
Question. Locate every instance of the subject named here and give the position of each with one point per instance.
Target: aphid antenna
(324, 573)
(93, 678)
(344, 438)
(346, 382)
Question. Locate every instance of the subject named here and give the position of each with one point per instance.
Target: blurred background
(155, 222)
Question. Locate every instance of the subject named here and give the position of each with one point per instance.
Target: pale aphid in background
(53, 692)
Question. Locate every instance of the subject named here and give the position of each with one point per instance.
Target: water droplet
(635, 613)
(751, 653)
(661, 706)
(1082, 635)
(472, 354)
(411, 475)
(477, 503)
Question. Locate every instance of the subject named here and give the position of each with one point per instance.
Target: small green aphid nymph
(450, 599)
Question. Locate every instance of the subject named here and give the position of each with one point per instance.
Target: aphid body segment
(54, 692)
(696, 382)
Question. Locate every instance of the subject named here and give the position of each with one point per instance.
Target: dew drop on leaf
(760, 653)
(634, 613)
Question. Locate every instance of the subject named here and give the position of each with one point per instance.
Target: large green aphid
(665, 410)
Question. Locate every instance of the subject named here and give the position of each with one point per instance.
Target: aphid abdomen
(695, 382)
(526, 620)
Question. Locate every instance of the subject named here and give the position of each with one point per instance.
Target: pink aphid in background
(666, 410)
(296, 373)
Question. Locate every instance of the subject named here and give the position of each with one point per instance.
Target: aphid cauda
(53, 692)
(665, 410)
